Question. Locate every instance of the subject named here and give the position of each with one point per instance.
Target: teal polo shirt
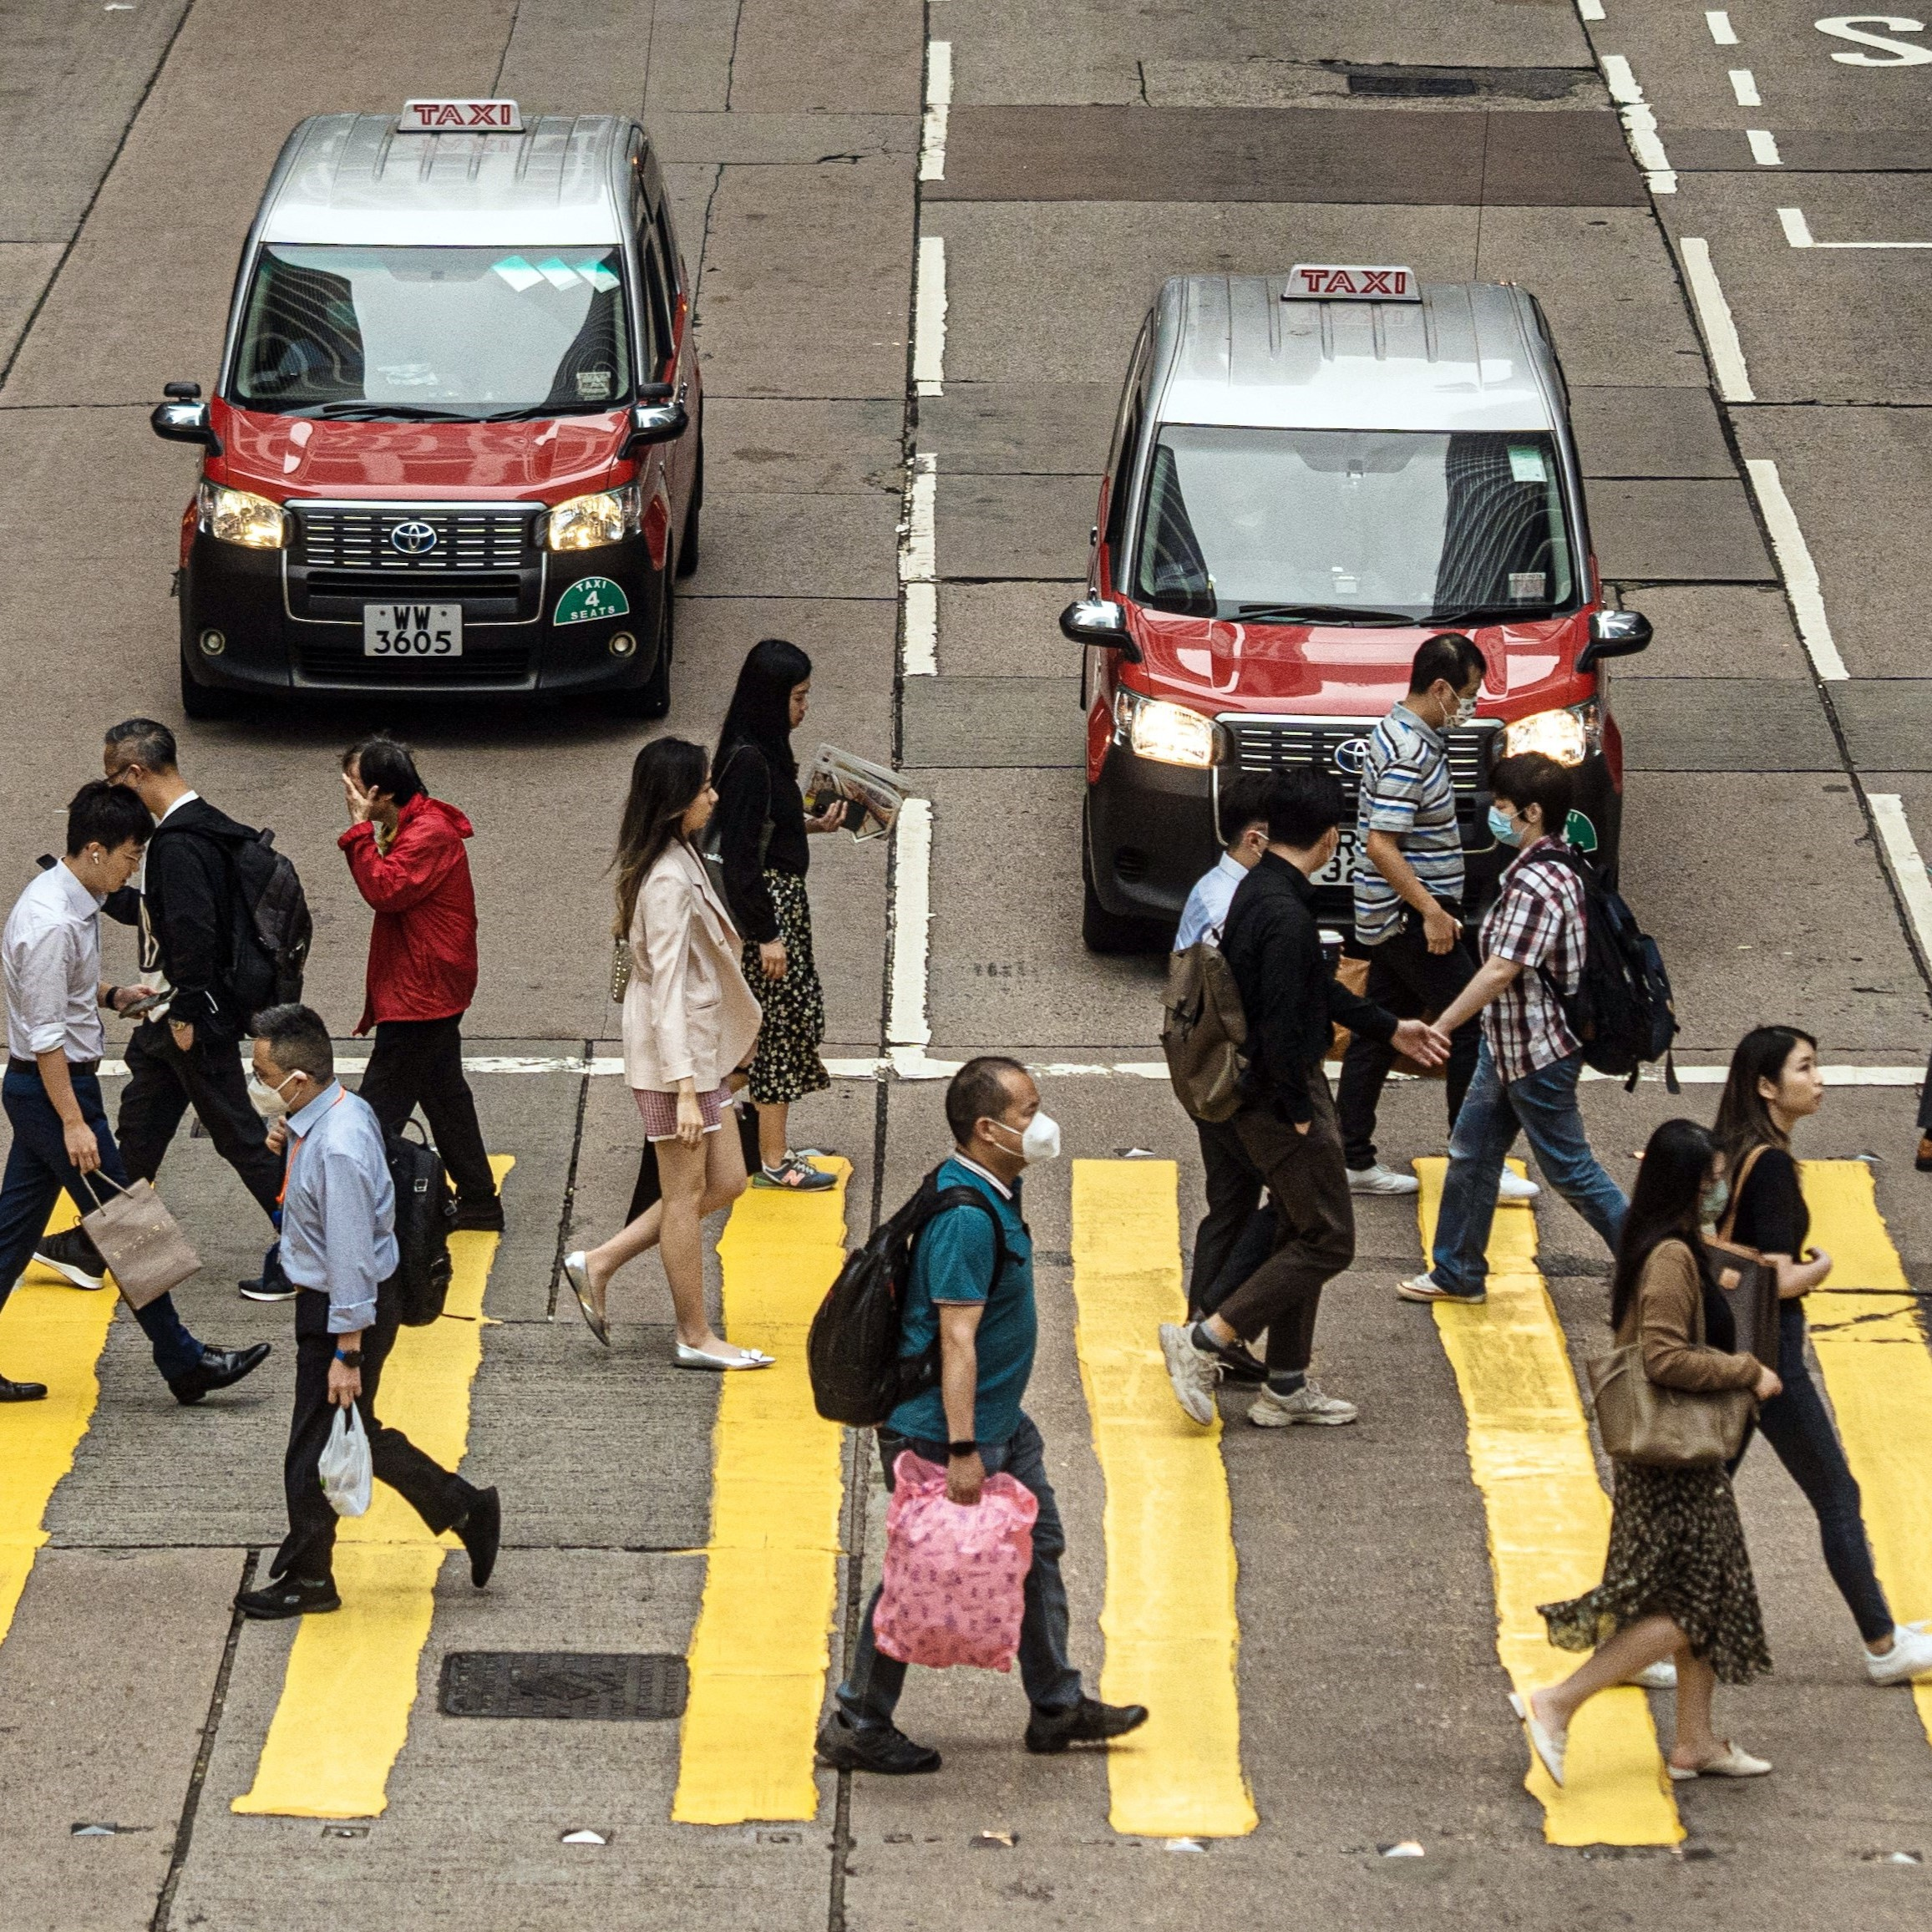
(952, 1260)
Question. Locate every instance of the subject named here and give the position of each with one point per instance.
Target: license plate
(412, 630)
(1341, 869)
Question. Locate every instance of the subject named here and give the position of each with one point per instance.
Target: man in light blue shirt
(338, 1247)
(1243, 825)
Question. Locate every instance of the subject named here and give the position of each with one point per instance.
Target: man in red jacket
(405, 849)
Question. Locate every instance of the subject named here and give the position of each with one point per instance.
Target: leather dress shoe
(218, 1368)
(1089, 1721)
(481, 1530)
(22, 1392)
(287, 1596)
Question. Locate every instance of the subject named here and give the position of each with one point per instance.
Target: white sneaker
(1515, 1187)
(1193, 1373)
(1381, 1181)
(1426, 1288)
(1661, 1676)
(1308, 1404)
(1910, 1656)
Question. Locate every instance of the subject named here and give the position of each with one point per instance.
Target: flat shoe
(689, 1357)
(1546, 1742)
(577, 1273)
(1731, 1764)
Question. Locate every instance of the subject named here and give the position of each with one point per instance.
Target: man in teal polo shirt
(973, 1424)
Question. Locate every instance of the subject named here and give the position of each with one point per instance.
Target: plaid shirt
(1539, 920)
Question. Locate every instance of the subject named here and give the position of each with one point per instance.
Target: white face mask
(1042, 1139)
(267, 1101)
(1465, 712)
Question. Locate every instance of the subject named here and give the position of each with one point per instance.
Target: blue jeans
(1543, 1105)
(37, 1170)
(870, 1695)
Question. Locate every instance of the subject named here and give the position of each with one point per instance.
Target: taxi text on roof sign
(450, 116)
(1327, 281)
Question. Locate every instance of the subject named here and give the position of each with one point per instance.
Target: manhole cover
(637, 1684)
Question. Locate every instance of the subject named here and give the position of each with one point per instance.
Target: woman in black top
(761, 830)
(1774, 1083)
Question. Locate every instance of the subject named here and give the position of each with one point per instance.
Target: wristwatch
(349, 1357)
(968, 1449)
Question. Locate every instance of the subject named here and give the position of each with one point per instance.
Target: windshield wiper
(401, 412)
(1321, 614)
(1486, 614)
(537, 411)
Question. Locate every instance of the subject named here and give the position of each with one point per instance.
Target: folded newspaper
(871, 792)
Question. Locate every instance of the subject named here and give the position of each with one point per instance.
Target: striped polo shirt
(1405, 790)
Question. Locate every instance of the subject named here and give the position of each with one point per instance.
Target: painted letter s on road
(1892, 54)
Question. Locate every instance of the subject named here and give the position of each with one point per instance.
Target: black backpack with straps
(858, 1376)
(425, 1217)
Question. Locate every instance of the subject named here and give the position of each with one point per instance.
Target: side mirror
(184, 419)
(659, 420)
(1614, 634)
(1097, 620)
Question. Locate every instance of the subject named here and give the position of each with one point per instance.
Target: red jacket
(422, 946)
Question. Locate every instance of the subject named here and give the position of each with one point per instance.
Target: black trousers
(1233, 1185)
(419, 1064)
(440, 1499)
(164, 1082)
(1408, 979)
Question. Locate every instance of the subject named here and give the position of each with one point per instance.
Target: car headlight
(1569, 736)
(237, 516)
(585, 523)
(1168, 734)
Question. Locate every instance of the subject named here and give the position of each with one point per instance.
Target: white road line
(938, 104)
(1797, 233)
(1640, 124)
(1744, 85)
(919, 569)
(1764, 147)
(908, 1030)
(920, 656)
(929, 318)
(1589, 9)
(1721, 30)
(1907, 868)
(1799, 572)
(1714, 318)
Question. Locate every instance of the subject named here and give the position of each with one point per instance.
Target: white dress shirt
(52, 954)
(1207, 906)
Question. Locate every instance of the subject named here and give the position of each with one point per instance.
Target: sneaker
(284, 1596)
(1661, 1676)
(1427, 1288)
(793, 1173)
(1515, 1187)
(259, 1289)
(1381, 1181)
(1308, 1404)
(1193, 1373)
(888, 1751)
(73, 1257)
(1910, 1656)
(1089, 1721)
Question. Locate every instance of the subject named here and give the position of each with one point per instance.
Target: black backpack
(858, 1375)
(425, 1216)
(275, 928)
(1621, 1010)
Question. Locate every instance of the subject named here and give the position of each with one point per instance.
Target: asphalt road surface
(1736, 275)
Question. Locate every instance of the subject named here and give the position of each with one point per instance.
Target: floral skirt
(1676, 1549)
(786, 1066)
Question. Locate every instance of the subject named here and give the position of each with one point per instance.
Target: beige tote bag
(140, 1241)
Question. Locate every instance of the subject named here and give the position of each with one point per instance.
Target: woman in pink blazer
(690, 1022)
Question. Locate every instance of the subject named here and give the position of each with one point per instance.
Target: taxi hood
(283, 456)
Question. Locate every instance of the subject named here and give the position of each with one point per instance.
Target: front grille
(362, 540)
(1268, 744)
(333, 662)
(378, 586)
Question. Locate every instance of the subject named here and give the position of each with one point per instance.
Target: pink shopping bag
(955, 1575)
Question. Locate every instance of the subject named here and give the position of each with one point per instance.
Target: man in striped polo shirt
(1408, 897)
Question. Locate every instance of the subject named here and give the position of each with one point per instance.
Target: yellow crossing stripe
(54, 1335)
(351, 1679)
(1878, 1375)
(1548, 1524)
(1168, 1617)
(761, 1647)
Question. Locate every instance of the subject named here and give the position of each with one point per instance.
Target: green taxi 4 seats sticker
(1576, 828)
(591, 598)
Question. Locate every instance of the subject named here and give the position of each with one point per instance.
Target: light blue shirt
(1208, 904)
(338, 1207)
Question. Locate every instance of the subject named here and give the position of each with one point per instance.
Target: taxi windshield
(1335, 525)
(461, 333)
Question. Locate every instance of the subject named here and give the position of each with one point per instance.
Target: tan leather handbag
(1645, 1422)
(140, 1241)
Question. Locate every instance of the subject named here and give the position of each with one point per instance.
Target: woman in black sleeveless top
(1774, 1083)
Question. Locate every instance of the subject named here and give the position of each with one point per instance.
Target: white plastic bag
(347, 1471)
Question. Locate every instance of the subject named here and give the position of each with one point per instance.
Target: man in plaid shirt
(1527, 1068)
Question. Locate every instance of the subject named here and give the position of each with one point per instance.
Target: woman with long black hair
(1774, 1083)
(1676, 1579)
(762, 840)
(689, 1020)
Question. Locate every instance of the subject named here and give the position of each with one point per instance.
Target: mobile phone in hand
(143, 1006)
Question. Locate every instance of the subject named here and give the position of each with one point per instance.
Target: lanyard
(295, 1142)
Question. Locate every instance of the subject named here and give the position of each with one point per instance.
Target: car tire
(652, 698)
(205, 703)
(1103, 931)
(687, 541)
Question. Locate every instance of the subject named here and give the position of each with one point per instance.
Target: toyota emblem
(1350, 755)
(414, 538)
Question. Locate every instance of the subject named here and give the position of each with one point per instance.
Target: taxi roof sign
(1329, 282)
(458, 117)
